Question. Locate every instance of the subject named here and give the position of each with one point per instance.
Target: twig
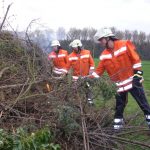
(1, 26)
(133, 131)
(1, 114)
(121, 139)
(85, 135)
(20, 94)
(3, 70)
(18, 85)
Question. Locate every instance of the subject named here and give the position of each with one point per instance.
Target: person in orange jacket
(82, 64)
(123, 65)
(59, 57)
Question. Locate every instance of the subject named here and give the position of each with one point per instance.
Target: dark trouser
(138, 94)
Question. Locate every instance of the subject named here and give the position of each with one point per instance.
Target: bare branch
(3, 70)
(1, 26)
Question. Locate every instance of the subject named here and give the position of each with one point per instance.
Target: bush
(22, 140)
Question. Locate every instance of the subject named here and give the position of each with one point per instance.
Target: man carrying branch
(59, 58)
(82, 64)
(123, 65)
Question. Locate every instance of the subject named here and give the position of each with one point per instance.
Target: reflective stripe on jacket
(60, 61)
(119, 64)
(81, 63)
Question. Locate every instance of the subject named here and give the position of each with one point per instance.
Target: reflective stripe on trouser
(148, 119)
(118, 123)
(139, 96)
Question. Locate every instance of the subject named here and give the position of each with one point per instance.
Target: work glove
(91, 71)
(138, 78)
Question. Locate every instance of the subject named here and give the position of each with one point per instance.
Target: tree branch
(3, 70)
(5, 16)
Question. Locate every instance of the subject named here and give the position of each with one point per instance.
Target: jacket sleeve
(100, 69)
(134, 57)
(69, 64)
(67, 61)
(91, 62)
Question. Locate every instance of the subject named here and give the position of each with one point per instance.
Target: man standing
(82, 63)
(59, 58)
(123, 65)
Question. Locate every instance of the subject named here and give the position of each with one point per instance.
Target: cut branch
(3, 70)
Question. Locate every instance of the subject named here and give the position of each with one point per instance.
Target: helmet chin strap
(57, 51)
(107, 40)
(78, 50)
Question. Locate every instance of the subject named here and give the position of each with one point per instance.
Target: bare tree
(120, 34)
(91, 33)
(135, 36)
(42, 37)
(61, 33)
(148, 38)
(74, 33)
(84, 34)
(114, 30)
(142, 37)
(128, 35)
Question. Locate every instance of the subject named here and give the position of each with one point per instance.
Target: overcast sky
(122, 14)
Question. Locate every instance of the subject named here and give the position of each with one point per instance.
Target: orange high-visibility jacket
(60, 61)
(81, 63)
(120, 64)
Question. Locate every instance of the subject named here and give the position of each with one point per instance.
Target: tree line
(86, 35)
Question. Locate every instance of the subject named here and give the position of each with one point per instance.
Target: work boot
(118, 123)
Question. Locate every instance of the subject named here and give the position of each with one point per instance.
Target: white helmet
(103, 32)
(75, 43)
(55, 43)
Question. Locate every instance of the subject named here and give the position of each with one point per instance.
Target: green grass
(132, 105)
(96, 60)
(146, 66)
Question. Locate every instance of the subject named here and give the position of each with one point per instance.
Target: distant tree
(142, 37)
(61, 33)
(91, 33)
(42, 38)
(74, 33)
(135, 36)
(127, 35)
(120, 34)
(37, 36)
(148, 38)
(113, 29)
(84, 34)
(88, 33)
(49, 34)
